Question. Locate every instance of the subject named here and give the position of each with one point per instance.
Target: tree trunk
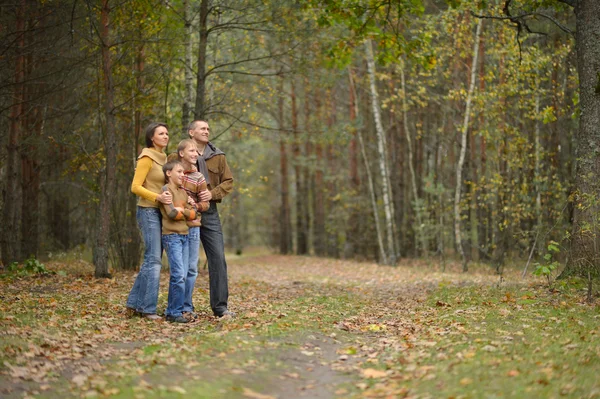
(30, 165)
(107, 176)
(12, 196)
(201, 106)
(132, 245)
(309, 191)
(188, 95)
(382, 253)
(331, 165)
(352, 238)
(463, 150)
(285, 241)
(584, 260)
(301, 197)
(420, 228)
(382, 150)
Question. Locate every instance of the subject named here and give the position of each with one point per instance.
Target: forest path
(306, 327)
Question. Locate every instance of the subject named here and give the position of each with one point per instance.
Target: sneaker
(177, 319)
(151, 316)
(226, 315)
(191, 316)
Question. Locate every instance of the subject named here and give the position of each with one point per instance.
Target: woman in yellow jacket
(147, 183)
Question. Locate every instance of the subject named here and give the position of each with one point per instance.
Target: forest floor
(305, 328)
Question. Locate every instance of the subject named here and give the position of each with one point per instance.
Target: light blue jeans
(177, 249)
(192, 274)
(143, 297)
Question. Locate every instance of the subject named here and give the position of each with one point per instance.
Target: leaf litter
(306, 327)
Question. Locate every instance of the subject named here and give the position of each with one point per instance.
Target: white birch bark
(463, 148)
(381, 149)
(411, 167)
(382, 253)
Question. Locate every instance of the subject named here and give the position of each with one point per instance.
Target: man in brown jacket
(213, 165)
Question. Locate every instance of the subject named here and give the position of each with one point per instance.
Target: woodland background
(370, 130)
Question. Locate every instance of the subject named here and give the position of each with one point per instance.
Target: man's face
(200, 132)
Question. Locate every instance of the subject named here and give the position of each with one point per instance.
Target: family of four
(177, 209)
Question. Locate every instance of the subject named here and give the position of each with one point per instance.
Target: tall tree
(11, 250)
(388, 205)
(107, 177)
(463, 149)
(585, 253)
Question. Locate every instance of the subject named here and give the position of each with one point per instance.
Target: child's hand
(190, 201)
(179, 209)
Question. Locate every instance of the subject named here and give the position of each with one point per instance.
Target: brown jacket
(220, 177)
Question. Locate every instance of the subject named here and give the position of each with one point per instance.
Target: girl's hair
(169, 167)
(183, 144)
(150, 132)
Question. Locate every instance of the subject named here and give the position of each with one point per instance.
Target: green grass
(509, 342)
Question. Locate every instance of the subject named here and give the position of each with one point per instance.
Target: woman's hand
(165, 198)
(179, 209)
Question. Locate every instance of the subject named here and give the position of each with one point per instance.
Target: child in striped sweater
(193, 182)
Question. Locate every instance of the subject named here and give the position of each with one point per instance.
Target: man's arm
(226, 185)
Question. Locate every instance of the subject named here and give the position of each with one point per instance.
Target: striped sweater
(193, 183)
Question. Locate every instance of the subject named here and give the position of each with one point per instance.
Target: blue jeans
(192, 274)
(212, 240)
(177, 248)
(144, 294)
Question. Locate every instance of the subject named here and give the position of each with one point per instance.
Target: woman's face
(190, 154)
(160, 138)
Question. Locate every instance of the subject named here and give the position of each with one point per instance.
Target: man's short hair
(193, 124)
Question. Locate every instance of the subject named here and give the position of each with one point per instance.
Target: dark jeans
(211, 235)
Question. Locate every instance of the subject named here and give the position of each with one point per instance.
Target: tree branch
(521, 20)
(571, 3)
(524, 16)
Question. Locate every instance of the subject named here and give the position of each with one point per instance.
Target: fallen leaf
(249, 393)
(374, 373)
(79, 380)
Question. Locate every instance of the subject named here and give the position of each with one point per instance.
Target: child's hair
(169, 167)
(183, 144)
(172, 157)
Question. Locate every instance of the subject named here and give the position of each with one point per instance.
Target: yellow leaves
(376, 327)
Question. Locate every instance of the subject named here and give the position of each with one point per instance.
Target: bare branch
(571, 3)
(525, 16)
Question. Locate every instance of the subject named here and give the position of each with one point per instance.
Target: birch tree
(388, 205)
(463, 149)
